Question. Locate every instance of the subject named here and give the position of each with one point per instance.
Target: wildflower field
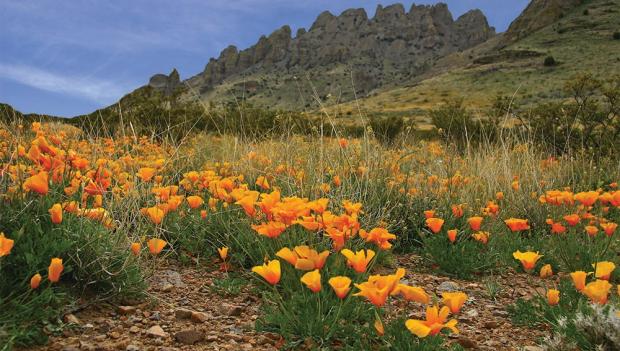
(309, 242)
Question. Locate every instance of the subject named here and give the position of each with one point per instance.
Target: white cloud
(100, 91)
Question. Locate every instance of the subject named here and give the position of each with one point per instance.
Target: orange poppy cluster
(91, 175)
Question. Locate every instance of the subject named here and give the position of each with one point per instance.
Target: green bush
(387, 129)
(616, 35)
(456, 124)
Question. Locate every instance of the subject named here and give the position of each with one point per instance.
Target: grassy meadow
(316, 224)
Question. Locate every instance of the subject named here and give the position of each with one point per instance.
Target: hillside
(581, 40)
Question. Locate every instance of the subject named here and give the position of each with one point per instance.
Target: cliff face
(539, 14)
(394, 40)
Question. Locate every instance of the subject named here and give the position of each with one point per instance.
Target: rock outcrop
(167, 84)
(539, 14)
(394, 40)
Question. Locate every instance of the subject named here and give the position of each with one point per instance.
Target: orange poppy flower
(270, 229)
(379, 236)
(517, 225)
(336, 181)
(434, 224)
(412, 293)
(579, 279)
(591, 230)
(603, 269)
(528, 259)
(341, 286)
(587, 198)
(248, 204)
(609, 228)
(358, 260)
(135, 248)
(597, 291)
(482, 237)
(269, 271)
(553, 297)
(475, 223)
(155, 214)
(312, 280)
(6, 245)
(458, 211)
(56, 213)
(452, 235)
(39, 183)
(429, 214)
(223, 252)
(556, 227)
(378, 287)
(303, 257)
(434, 323)
(454, 300)
(156, 245)
(262, 182)
(546, 271)
(146, 173)
(54, 270)
(194, 201)
(338, 237)
(35, 281)
(572, 219)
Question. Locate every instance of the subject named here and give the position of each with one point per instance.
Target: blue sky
(71, 57)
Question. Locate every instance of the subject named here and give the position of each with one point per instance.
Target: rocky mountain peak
(166, 83)
(394, 39)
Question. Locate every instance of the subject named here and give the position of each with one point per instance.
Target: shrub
(616, 35)
(549, 61)
(387, 129)
(456, 124)
(575, 323)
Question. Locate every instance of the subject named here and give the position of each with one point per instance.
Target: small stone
(86, 346)
(70, 348)
(115, 335)
(167, 287)
(234, 337)
(156, 332)
(533, 348)
(131, 347)
(199, 317)
(155, 316)
(134, 329)
(467, 343)
(71, 319)
(491, 324)
(182, 313)
(448, 286)
(263, 340)
(212, 337)
(231, 310)
(189, 337)
(125, 310)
